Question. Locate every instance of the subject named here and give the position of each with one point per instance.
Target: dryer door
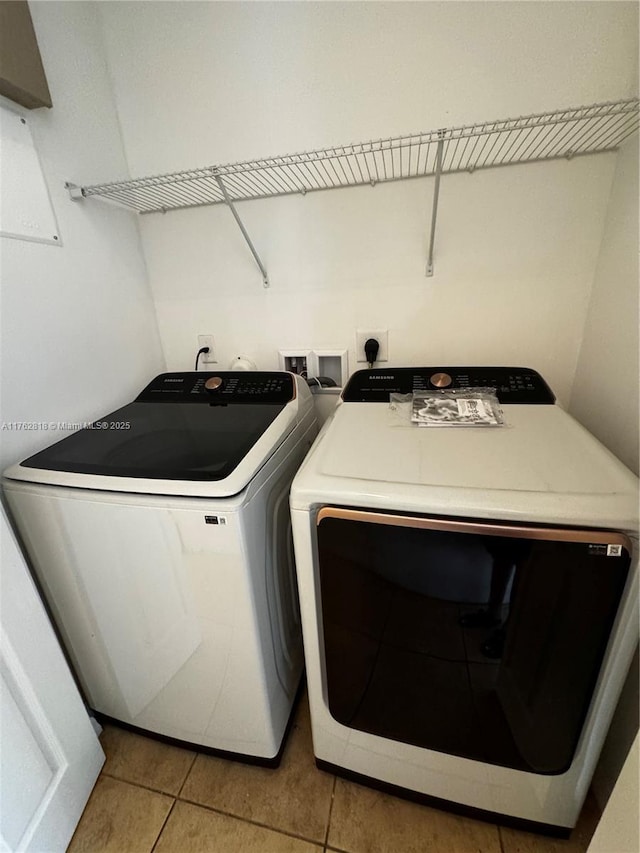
(474, 639)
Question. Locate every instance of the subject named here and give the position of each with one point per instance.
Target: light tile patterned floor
(155, 798)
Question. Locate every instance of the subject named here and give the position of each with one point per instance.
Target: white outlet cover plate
(381, 335)
(207, 357)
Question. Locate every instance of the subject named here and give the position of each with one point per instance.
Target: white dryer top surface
(542, 465)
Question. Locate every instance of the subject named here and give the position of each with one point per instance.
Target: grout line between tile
(500, 839)
(252, 822)
(333, 792)
(169, 813)
(139, 785)
(188, 773)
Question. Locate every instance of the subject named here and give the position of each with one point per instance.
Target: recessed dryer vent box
(332, 363)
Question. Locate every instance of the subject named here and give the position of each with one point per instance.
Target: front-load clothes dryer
(468, 595)
(161, 539)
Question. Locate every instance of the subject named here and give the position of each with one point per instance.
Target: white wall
(79, 333)
(605, 392)
(205, 83)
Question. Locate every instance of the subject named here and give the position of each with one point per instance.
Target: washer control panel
(223, 387)
(512, 384)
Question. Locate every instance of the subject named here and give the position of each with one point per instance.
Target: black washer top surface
(176, 429)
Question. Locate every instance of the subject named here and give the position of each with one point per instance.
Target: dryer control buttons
(440, 380)
(213, 383)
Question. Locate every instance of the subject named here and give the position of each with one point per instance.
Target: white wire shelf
(546, 136)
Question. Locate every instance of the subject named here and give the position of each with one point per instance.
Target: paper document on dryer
(456, 409)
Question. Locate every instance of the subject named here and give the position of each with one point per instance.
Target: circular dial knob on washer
(213, 384)
(440, 380)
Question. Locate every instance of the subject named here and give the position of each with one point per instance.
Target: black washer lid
(163, 435)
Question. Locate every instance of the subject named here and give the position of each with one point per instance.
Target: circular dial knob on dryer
(440, 380)
(213, 384)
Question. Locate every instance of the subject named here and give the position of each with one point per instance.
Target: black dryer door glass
(478, 641)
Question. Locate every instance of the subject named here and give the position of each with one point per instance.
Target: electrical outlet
(207, 341)
(381, 335)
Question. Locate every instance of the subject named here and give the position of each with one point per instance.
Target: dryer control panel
(512, 384)
(232, 386)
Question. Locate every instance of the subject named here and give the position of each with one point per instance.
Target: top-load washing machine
(468, 596)
(161, 538)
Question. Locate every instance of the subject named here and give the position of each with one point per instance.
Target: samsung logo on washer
(382, 376)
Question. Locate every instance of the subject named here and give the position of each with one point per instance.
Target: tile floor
(155, 797)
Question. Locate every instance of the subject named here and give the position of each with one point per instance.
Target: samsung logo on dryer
(382, 376)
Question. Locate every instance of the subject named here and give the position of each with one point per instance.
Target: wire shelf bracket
(223, 190)
(561, 134)
(434, 210)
